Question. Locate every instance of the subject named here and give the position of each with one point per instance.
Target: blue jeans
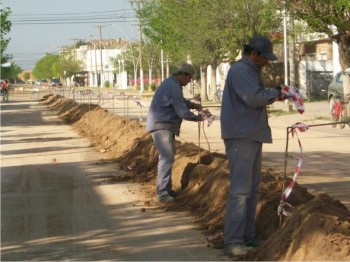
(164, 141)
(245, 159)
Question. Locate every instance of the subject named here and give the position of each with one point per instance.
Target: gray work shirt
(169, 107)
(243, 109)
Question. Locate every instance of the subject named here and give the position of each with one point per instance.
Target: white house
(98, 70)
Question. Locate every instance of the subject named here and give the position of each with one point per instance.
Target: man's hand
(281, 95)
(200, 117)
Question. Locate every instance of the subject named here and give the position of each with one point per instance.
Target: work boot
(236, 249)
(254, 242)
(165, 198)
(174, 194)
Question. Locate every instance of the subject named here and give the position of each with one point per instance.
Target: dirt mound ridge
(318, 229)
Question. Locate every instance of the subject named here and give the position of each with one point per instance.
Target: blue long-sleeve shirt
(169, 107)
(243, 109)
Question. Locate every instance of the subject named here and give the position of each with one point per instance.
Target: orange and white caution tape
(207, 116)
(139, 102)
(293, 92)
(301, 128)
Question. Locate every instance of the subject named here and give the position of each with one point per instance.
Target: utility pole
(75, 44)
(100, 28)
(285, 45)
(162, 62)
(140, 44)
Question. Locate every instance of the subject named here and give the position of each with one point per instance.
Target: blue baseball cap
(264, 46)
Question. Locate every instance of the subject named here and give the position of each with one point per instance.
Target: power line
(38, 18)
(83, 13)
(70, 18)
(65, 18)
(68, 22)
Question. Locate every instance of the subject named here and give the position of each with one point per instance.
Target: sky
(46, 26)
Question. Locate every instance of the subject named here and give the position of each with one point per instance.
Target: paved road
(55, 206)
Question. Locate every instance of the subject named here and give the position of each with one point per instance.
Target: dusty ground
(318, 229)
(57, 204)
(325, 167)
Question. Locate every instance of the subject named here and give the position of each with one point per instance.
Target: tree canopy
(331, 17)
(11, 72)
(45, 67)
(5, 29)
(53, 65)
(207, 30)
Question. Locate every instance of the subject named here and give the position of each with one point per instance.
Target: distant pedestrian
(167, 110)
(5, 89)
(244, 127)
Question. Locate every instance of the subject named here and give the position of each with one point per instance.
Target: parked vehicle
(335, 88)
(42, 82)
(56, 82)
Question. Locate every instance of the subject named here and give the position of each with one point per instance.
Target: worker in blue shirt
(167, 110)
(244, 127)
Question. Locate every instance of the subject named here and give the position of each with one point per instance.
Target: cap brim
(270, 56)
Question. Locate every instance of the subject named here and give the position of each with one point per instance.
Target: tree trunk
(204, 95)
(344, 59)
(167, 67)
(213, 81)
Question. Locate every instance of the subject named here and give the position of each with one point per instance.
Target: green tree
(54, 66)
(130, 54)
(26, 76)
(69, 65)
(151, 57)
(11, 72)
(5, 29)
(331, 17)
(47, 67)
(207, 31)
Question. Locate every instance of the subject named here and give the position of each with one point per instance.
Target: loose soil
(317, 229)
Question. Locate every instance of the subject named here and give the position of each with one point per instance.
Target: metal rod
(328, 124)
(289, 130)
(285, 167)
(199, 142)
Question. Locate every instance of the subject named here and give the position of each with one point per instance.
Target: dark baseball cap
(264, 46)
(184, 68)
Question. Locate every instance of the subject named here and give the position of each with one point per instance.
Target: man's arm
(192, 105)
(248, 89)
(182, 108)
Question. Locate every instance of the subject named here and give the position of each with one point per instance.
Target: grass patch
(322, 118)
(280, 112)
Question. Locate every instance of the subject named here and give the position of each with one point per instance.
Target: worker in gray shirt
(244, 127)
(167, 110)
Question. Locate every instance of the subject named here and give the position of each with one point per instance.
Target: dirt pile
(318, 229)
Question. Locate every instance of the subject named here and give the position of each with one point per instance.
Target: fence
(28, 93)
(120, 103)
